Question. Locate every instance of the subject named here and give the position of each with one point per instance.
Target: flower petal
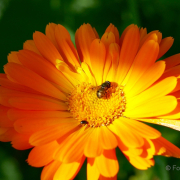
(165, 148)
(30, 125)
(4, 120)
(21, 141)
(30, 79)
(36, 103)
(30, 45)
(153, 108)
(147, 79)
(46, 48)
(174, 124)
(50, 33)
(141, 129)
(107, 163)
(68, 170)
(107, 138)
(145, 58)
(108, 38)
(83, 38)
(49, 170)
(66, 47)
(107, 178)
(51, 133)
(158, 90)
(12, 57)
(125, 133)
(114, 30)
(75, 142)
(93, 146)
(172, 61)
(92, 171)
(97, 55)
(140, 163)
(6, 134)
(42, 155)
(45, 69)
(165, 45)
(113, 51)
(128, 52)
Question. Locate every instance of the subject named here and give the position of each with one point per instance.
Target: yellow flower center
(87, 107)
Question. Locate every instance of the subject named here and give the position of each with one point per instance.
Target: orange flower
(70, 104)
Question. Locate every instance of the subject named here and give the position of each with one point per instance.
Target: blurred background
(20, 18)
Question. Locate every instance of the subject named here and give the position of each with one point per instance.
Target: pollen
(86, 106)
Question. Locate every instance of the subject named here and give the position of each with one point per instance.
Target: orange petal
(88, 73)
(83, 38)
(143, 33)
(51, 133)
(97, 54)
(108, 67)
(145, 58)
(107, 138)
(75, 142)
(6, 134)
(36, 103)
(140, 163)
(174, 124)
(114, 30)
(165, 45)
(30, 45)
(5, 82)
(125, 133)
(73, 77)
(124, 33)
(148, 149)
(15, 114)
(42, 155)
(92, 171)
(113, 50)
(152, 108)
(148, 78)
(132, 151)
(49, 170)
(21, 141)
(93, 146)
(169, 149)
(32, 80)
(107, 39)
(175, 114)
(141, 129)
(158, 90)
(46, 48)
(66, 47)
(4, 120)
(50, 33)
(12, 57)
(68, 170)
(174, 71)
(153, 35)
(128, 52)
(172, 61)
(29, 125)
(107, 178)
(107, 163)
(45, 69)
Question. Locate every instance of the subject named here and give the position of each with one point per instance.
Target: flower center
(94, 111)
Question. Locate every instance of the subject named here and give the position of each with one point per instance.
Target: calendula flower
(71, 103)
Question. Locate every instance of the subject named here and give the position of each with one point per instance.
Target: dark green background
(20, 18)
